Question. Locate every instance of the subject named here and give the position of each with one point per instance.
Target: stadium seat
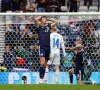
(64, 9)
(95, 3)
(8, 11)
(63, 20)
(63, 17)
(83, 9)
(81, 3)
(93, 9)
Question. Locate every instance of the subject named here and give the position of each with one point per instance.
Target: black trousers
(62, 2)
(88, 1)
(73, 10)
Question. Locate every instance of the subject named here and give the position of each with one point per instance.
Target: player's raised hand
(64, 57)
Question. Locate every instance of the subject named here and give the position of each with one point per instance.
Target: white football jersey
(55, 40)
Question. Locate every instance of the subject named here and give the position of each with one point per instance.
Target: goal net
(19, 46)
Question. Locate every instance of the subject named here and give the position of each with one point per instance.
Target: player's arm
(63, 48)
(73, 49)
(55, 22)
(36, 21)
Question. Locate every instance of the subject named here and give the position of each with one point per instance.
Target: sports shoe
(45, 81)
(41, 81)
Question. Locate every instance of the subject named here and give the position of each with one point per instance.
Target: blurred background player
(43, 30)
(56, 40)
(70, 62)
(79, 66)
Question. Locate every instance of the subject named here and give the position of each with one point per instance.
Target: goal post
(50, 14)
(23, 59)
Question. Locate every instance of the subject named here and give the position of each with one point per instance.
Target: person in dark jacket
(6, 5)
(54, 6)
(41, 5)
(88, 1)
(16, 4)
(73, 5)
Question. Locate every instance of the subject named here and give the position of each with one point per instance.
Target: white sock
(57, 75)
(46, 75)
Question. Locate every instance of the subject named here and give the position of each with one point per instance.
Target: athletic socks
(41, 71)
(57, 76)
(46, 75)
(71, 78)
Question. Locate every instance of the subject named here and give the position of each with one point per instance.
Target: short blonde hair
(78, 45)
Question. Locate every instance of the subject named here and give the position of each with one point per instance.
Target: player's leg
(81, 72)
(57, 73)
(46, 73)
(79, 75)
(56, 62)
(42, 64)
(71, 72)
(47, 63)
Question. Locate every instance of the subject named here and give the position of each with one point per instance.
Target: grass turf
(49, 87)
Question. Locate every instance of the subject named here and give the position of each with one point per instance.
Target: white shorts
(54, 57)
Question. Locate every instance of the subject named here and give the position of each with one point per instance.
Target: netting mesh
(21, 42)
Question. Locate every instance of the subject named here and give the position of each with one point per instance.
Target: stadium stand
(21, 5)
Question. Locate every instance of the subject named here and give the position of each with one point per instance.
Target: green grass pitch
(49, 87)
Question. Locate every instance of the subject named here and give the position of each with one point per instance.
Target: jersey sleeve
(62, 40)
(63, 46)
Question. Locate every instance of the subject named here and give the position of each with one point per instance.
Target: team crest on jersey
(47, 29)
(41, 54)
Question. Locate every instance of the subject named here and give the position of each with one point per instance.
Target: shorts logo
(41, 54)
(50, 58)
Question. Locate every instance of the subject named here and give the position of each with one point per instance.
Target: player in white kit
(56, 41)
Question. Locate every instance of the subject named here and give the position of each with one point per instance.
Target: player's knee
(42, 63)
(69, 71)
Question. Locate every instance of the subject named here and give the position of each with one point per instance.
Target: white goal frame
(51, 14)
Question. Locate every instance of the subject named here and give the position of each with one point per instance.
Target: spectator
(54, 6)
(41, 5)
(23, 53)
(27, 37)
(88, 1)
(74, 30)
(10, 28)
(87, 30)
(16, 19)
(16, 4)
(2, 68)
(23, 4)
(6, 5)
(31, 6)
(96, 26)
(9, 58)
(9, 35)
(62, 2)
(73, 5)
(98, 5)
(17, 35)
